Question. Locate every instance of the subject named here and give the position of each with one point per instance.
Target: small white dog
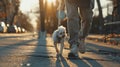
(58, 38)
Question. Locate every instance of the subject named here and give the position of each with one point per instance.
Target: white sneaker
(82, 44)
(74, 49)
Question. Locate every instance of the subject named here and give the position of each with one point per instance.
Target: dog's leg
(56, 48)
(61, 47)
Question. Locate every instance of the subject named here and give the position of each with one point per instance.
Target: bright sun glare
(50, 1)
(27, 5)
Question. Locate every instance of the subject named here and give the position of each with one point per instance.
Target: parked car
(3, 27)
(12, 29)
(19, 30)
(23, 30)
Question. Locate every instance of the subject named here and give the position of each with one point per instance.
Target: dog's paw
(58, 55)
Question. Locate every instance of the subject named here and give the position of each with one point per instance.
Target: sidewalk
(47, 57)
(32, 52)
(101, 44)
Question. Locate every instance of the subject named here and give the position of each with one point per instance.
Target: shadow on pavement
(84, 62)
(107, 52)
(61, 62)
(77, 62)
(10, 47)
(11, 55)
(40, 56)
(99, 47)
(91, 62)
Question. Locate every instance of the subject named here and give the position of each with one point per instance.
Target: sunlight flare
(51, 1)
(28, 5)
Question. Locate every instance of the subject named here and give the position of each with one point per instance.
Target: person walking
(77, 30)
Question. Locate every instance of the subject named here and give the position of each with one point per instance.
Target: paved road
(25, 50)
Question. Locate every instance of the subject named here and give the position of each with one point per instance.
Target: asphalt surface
(26, 50)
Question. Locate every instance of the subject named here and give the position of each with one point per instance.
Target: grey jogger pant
(78, 29)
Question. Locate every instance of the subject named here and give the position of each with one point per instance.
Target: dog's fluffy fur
(58, 38)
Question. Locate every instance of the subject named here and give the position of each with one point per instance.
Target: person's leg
(73, 26)
(86, 21)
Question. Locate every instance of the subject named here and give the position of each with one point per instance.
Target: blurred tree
(42, 7)
(38, 24)
(15, 6)
(51, 17)
(116, 10)
(24, 22)
(95, 25)
(101, 20)
(50, 21)
(3, 10)
(10, 8)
